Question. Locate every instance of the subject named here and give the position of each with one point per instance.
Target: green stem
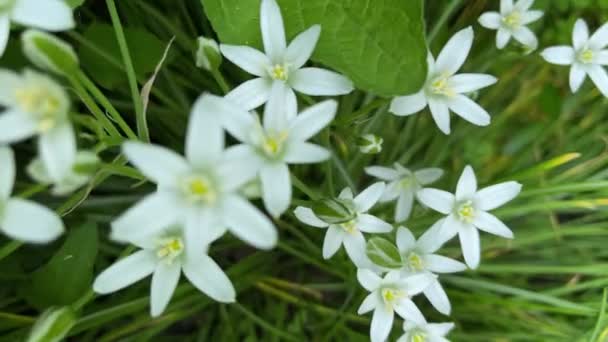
(217, 75)
(444, 17)
(92, 106)
(9, 248)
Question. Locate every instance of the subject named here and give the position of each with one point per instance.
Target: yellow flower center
(415, 262)
(273, 144)
(466, 212)
(170, 249)
(390, 295)
(279, 72)
(586, 56)
(441, 86)
(418, 337)
(349, 227)
(512, 20)
(39, 101)
(199, 189)
(406, 182)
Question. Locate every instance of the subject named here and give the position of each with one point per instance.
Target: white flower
(280, 140)
(49, 15)
(20, 219)
(512, 21)
(403, 185)
(388, 295)
(37, 105)
(370, 144)
(419, 258)
(466, 211)
(165, 254)
(425, 332)
(198, 191)
(349, 233)
(281, 63)
(444, 89)
(85, 165)
(586, 56)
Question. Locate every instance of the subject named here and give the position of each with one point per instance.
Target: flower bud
(53, 325)
(49, 52)
(85, 165)
(370, 144)
(208, 54)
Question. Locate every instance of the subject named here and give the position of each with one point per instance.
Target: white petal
(369, 197)
(404, 206)
(305, 153)
(489, 223)
(506, 6)
(236, 120)
(490, 20)
(440, 329)
(438, 200)
(164, 282)
(371, 224)
(441, 115)
(125, 272)
(240, 164)
(432, 239)
(346, 193)
(531, 16)
(5, 32)
(471, 249)
(354, 243)
(467, 184)
(408, 105)
(7, 173)
(208, 277)
(440, 264)
(577, 77)
(601, 57)
(466, 83)
(392, 192)
(205, 136)
(251, 94)
(455, 52)
(273, 31)
(469, 110)
(599, 39)
(414, 284)
(9, 81)
(15, 126)
(249, 224)
(409, 311)
(383, 173)
(368, 279)
(275, 111)
(369, 303)
(438, 298)
(502, 38)
(58, 151)
(451, 226)
(307, 216)
(157, 163)
(405, 240)
(599, 76)
(276, 188)
(302, 46)
(320, 82)
(580, 34)
(525, 36)
(247, 58)
(333, 241)
(428, 176)
(496, 195)
(561, 55)
(202, 227)
(312, 120)
(30, 222)
(49, 15)
(523, 5)
(382, 323)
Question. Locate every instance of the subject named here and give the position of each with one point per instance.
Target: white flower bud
(53, 325)
(49, 52)
(208, 54)
(370, 144)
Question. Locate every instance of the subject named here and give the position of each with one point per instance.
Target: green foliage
(358, 38)
(75, 3)
(383, 253)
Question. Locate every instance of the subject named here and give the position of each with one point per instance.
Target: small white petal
(371, 224)
(275, 111)
(354, 243)
(490, 20)
(428, 176)
(383, 173)
(471, 249)
(455, 52)
(409, 311)
(246, 222)
(302, 46)
(523, 5)
(601, 57)
(506, 6)
(469, 110)
(209, 278)
(432, 239)
(441, 115)
(333, 241)
(467, 184)
(440, 264)
(15, 126)
(369, 303)
(408, 105)
(496, 195)
(451, 226)
(490, 224)
(306, 215)
(276, 188)
(273, 31)
(393, 191)
(201, 228)
(157, 163)
(346, 193)
(405, 240)
(368, 279)
(440, 329)
(531, 16)
(247, 58)
(466, 83)
(580, 34)
(5, 32)
(205, 137)
(502, 38)
(125, 272)
(320, 82)
(240, 164)
(561, 55)
(164, 282)
(438, 298)
(305, 153)
(599, 76)
(58, 151)
(414, 284)
(49, 15)
(404, 206)
(369, 197)
(7, 173)
(236, 120)
(577, 77)
(251, 94)
(525, 36)
(312, 120)
(382, 323)
(30, 222)
(599, 39)
(438, 200)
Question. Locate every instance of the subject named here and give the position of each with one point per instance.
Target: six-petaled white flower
(281, 64)
(49, 15)
(444, 89)
(467, 211)
(165, 254)
(20, 219)
(198, 191)
(425, 332)
(388, 295)
(403, 185)
(349, 232)
(587, 55)
(420, 258)
(511, 22)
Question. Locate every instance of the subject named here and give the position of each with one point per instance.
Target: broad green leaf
(69, 273)
(383, 253)
(379, 44)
